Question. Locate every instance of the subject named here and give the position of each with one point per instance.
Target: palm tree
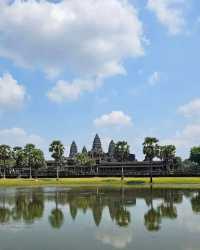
(195, 154)
(150, 150)
(19, 157)
(84, 160)
(167, 154)
(57, 149)
(121, 153)
(122, 150)
(5, 155)
(38, 160)
(28, 152)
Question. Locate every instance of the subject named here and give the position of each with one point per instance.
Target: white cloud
(185, 139)
(12, 94)
(19, 137)
(115, 118)
(170, 13)
(191, 109)
(88, 38)
(66, 91)
(154, 78)
(189, 135)
(114, 236)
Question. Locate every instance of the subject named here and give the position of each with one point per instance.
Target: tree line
(33, 158)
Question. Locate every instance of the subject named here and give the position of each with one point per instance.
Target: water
(99, 218)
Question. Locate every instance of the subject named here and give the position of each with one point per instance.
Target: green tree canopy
(57, 152)
(121, 150)
(195, 154)
(19, 156)
(38, 159)
(5, 155)
(83, 159)
(150, 148)
(28, 153)
(34, 157)
(167, 152)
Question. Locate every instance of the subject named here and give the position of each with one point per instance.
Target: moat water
(99, 218)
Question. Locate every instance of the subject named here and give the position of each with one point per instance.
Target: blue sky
(123, 69)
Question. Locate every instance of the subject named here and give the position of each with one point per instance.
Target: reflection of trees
(152, 219)
(173, 196)
(167, 208)
(25, 206)
(4, 211)
(4, 215)
(96, 200)
(123, 217)
(118, 209)
(195, 202)
(29, 206)
(56, 217)
(168, 211)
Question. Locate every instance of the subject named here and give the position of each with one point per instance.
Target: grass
(166, 182)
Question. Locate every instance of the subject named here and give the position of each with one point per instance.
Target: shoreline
(129, 182)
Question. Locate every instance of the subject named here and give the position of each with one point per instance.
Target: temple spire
(73, 150)
(111, 149)
(84, 150)
(96, 146)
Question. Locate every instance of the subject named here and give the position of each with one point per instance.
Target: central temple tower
(96, 146)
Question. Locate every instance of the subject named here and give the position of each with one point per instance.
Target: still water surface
(99, 218)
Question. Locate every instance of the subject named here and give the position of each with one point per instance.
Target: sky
(124, 69)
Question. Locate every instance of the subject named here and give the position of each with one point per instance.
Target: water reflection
(195, 202)
(22, 206)
(28, 205)
(56, 217)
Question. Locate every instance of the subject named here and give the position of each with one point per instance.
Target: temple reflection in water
(30, 205)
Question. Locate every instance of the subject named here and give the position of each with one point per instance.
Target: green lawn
(130, 182)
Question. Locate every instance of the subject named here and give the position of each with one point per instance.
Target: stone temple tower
(111, 149)
(84, 150)
(73, 150)
(96, 146)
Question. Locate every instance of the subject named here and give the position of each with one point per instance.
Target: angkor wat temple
(106, 164)
(97, 152)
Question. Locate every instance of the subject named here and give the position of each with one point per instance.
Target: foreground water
(99, 218)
